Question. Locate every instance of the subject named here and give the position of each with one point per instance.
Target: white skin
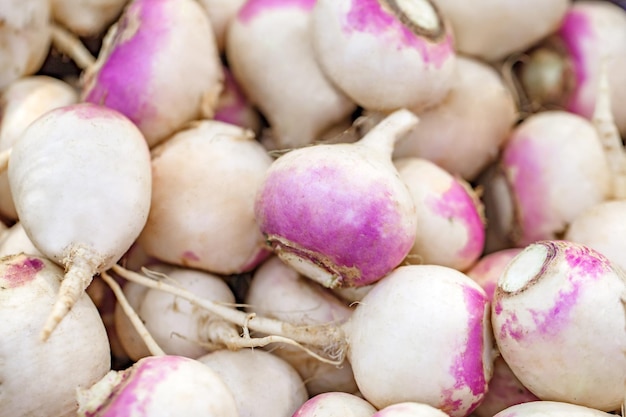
(550, 409)
(85, 18)
(55, 157)
(24, 38)
(221, 13)
(335, 404)
(40, 379)
(23, 101)
(262, 384)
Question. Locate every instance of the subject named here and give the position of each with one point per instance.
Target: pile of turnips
(312, 208)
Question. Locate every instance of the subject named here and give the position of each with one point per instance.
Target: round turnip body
(159, 386)
(65, 165)
(451, 230)
(201, 215)
(550, 409)
(335, 404)
(339, 213)
(40, 379)
(385, 55)
(464, 133)
(262, 384)
(559, 321)
(146, 52)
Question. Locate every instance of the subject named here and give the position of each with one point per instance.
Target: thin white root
(327, 338)
(130, 312)
(67, 43)
(610, 137)
(4, 159)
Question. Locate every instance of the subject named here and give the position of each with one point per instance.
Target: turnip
(159, 386)
(131, 340)
(339, 213)
(385, 55)
(384, 339)
(559, 323)
(293, 93)
(86, 18)
(278, 291)
(262, 384)
(564, 69)
(23, 101)
(409, 409)
(505, 389)
(451, 228)
(335, 404)
(201, 215)
(177, 326)
(492, 30)
(146, 53)
(464, 133)
(63, 168)
(25, 38)
(552, 168)
(40, 379)
(550, 409)
(221, 12)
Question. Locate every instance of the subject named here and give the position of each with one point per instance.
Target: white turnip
(25, 38)
(262, 384)
(564, 69)
(451, 227)
(63, 168)
(159, 386)
(335, 404)
(15, 241)
(559, 322)
(339, 213)
(37, 378)
(146, 68)
(202, 210)
(464, 133)
(23, 101)
(291, 91)
(492, 30)
(386, 54)
(552, 168)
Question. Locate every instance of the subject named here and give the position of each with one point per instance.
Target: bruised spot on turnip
(18, 274)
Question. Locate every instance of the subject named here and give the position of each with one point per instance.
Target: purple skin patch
(132, 396)
(330, 212)
(457, 206)
(468, 368)
(124, 82)
(575, 29)
(189, 256)
(368, 16)
(522, 161)
(233, 103)
(21, 272)
(253, 8)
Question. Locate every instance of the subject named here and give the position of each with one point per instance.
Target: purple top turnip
(158, 66)
(339, 213)
(385, 54)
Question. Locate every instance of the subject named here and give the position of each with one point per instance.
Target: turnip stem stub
(420, 12)
(384, 135)
(145, 335)
(520, 272)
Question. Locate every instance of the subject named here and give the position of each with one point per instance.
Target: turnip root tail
(70, 45)
(610, 137)
(384, 135)
(81, 265)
